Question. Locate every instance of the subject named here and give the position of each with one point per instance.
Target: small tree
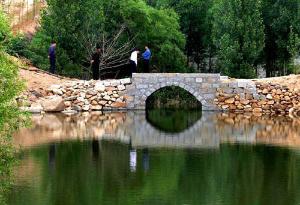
(115, 50)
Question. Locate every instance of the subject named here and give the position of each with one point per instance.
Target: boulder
(53, 104)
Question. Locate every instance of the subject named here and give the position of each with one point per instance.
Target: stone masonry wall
(257, 97)
(77, 96)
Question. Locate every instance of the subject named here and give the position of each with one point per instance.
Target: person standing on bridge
(134, 61)
(96, 63)
(146, 59)
(52, 56)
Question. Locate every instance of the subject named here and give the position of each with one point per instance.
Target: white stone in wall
(125, 81)
(121, 87)
(99, 87)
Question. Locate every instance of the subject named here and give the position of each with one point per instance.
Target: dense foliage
(10, 86)
(4, 30)
(233, 37)
(282, 29)
(9, 83)
(70, 24)
(239, 34)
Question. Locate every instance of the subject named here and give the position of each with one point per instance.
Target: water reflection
(52, 153)
(172, 121)
(109, 158)
(210, 130)
(232, 175)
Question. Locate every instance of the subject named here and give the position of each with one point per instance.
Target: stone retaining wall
(215, 92)
(257, 97)
(77, 96)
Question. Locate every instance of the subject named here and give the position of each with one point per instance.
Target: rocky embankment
(76, 96)
(51, 93)
(259, 97)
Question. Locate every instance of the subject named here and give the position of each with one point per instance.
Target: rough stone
(121, 87)
(53, 104)
(99, 87)
(119, 105)
(97, 107)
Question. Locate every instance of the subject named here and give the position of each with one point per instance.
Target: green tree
(10, 87)
(155, 27)
(281, 20)
(195, 22)
(4, 29)
(66, 22)
(238, 35)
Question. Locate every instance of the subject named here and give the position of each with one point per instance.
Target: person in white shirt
(134, 60)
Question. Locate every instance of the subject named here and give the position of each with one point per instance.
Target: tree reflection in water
(173, 120)
(103, 167)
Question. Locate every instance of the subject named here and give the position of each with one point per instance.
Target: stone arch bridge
(202, 86)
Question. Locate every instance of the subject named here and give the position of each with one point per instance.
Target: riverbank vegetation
(227, 36)
(10, 87)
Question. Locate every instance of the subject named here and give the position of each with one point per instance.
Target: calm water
(158, 157)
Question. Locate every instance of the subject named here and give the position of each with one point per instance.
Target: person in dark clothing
(52, 56)
(146, 59)
(96, 63)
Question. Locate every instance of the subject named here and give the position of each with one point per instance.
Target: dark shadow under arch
(172, 109)
(173, 97)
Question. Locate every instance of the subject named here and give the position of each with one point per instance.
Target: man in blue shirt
(52, 56)
(146, 59)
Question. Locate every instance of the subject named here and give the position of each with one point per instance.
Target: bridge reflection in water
(206, 130)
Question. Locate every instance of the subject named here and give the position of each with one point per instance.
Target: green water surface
(89, 172)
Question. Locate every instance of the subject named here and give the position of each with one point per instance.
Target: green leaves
(238, 34)
(5, 32)
(69, 23)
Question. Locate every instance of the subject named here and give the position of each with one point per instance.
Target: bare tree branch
(114, 52)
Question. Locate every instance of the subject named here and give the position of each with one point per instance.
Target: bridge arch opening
(172, 109)
(172, 97)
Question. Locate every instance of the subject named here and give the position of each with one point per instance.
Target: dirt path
(38, 79)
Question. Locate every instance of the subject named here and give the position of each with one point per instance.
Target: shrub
(18, 45)
(4, 30)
